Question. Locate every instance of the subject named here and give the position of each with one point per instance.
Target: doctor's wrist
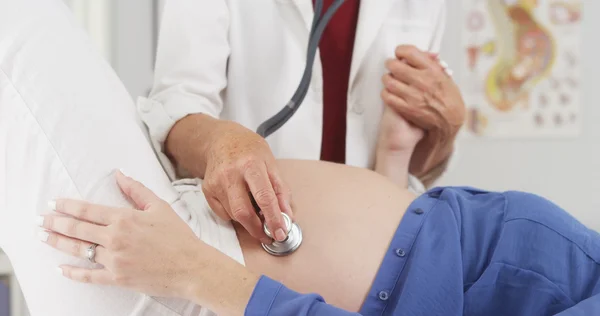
(190, 140)
(434, 174)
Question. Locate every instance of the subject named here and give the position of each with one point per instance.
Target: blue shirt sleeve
(273, 298)
(590, 306)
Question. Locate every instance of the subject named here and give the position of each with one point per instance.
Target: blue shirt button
(383, 295)
(400, 252)
(419, 211)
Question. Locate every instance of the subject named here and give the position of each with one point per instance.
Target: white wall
(134, 44)
(96, 17)
(123, 32)
(565, 171)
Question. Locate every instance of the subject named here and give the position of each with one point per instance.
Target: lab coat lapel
(371, 17)
(306, 10)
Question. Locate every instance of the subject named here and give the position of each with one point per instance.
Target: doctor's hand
(239, 162)
(420, 90)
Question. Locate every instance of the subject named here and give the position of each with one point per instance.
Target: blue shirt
(462, 251)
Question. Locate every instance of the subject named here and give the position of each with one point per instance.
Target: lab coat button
(419, 211)
(146, 106)
(358, 109)
(317, 88)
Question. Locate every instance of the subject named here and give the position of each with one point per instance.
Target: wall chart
(523, 67)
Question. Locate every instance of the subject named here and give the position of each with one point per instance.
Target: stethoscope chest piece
(290, 244)
(294, 239)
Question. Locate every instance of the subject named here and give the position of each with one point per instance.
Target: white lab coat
(242, 60)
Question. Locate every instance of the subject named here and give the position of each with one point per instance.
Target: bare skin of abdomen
(348, 217)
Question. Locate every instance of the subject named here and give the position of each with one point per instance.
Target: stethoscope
(270, 126)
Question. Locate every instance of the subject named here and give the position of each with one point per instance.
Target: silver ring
(90, 253)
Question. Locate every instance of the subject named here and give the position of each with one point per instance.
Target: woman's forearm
(227, 288)
(393, 165)
(220, 283)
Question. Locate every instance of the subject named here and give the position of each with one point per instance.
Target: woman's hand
(148, 249)
(239, 161)
(395, 146)
(420, 90)
(396, 134)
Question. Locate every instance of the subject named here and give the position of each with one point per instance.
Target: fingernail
(124, 173)
(43, 236)
(39, 220)
(443, 64)
(280, 235)
(52, 205)
(449, 72)
(60, 271)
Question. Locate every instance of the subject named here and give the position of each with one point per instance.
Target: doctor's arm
(190, 74)
(433, 174)
(182, 116)
(435, 45)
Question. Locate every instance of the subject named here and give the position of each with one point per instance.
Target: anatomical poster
(523, 63)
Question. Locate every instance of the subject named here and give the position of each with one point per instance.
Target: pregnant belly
(348, 217)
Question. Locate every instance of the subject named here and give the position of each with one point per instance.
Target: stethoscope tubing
(319, 25)
(274, 123)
